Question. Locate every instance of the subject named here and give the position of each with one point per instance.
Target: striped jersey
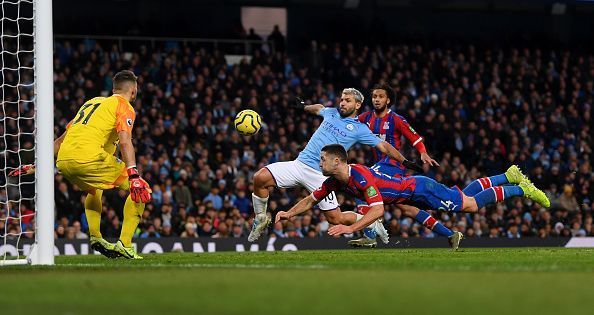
(373, 187)
(391, 128)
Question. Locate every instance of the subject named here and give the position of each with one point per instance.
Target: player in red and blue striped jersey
(391, 127)
(378, 189)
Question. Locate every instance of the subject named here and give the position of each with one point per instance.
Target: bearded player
(339, 126)
(86, 158)
(391, 127)
(378, 189)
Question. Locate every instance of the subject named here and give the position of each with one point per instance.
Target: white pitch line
(232, 266)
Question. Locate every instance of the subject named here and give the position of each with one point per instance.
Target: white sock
(260, 204)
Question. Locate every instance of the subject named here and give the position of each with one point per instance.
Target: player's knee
(408, 211)
(470, 205)
(263, 178)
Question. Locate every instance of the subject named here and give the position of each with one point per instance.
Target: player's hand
(281, 215)
(412, 166)
(428, 160)
(140, 191)
(27, 169)
(340, 229)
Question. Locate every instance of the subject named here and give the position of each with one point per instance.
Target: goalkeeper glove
(27, 169)
(298, 103)
(140, 190)
(412, 166)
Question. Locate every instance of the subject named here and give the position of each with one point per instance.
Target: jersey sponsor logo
(387, 125)
(350, 127)
(371, 192)
(129, 122)
(334, 129)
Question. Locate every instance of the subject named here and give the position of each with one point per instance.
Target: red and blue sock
(484, 183)
(497, 194)
(431, 223)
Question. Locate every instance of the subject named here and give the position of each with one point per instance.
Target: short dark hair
(386, 87)
(123, 77)
(336, 150)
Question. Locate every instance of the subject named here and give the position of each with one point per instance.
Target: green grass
(413, 281)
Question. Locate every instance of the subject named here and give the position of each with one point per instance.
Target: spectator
(213, 196)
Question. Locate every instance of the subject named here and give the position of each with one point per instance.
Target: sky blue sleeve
(327, 111)
(365, 136)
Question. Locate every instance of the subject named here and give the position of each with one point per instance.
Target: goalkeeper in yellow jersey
(86, 158)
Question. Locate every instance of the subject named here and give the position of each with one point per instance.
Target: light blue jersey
(335, 130)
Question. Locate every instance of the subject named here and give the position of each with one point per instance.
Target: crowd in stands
(479, 110)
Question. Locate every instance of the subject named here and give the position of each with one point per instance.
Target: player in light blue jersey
(340, 126)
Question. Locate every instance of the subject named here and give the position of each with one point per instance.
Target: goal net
(26, 132)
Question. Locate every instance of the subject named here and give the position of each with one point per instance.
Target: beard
(379, 108)
(346, 113)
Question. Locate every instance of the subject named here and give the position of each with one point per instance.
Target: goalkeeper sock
(497, 194)
(431, 223)
(93, 209)
(481, 184)
(132, 213)
(260, 204)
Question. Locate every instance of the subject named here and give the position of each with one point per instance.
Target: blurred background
(486, 83)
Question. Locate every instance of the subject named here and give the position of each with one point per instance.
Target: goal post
(43, 252)
(26, 132)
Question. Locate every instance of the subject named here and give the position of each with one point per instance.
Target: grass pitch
(412, 281)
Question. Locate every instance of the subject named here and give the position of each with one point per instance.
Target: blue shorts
(429, 194)
(388, 167)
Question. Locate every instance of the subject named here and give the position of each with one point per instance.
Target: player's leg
(437, 196)
(513, 175)
(111, 173)
(424, 218)
(501, 193)
(88, 178)
(93, 208)
(281, 174)
(132, 215)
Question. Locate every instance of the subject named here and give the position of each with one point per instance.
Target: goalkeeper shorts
(106, 172)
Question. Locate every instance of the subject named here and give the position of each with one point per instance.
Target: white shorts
(295, 173)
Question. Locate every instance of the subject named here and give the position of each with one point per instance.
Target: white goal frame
(43, 251)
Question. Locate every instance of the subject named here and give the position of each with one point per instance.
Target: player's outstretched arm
(388, 149)
(311, 109)
(374, 213)
(314, 108)
(29, 169)
(302, 206)
(140, 190)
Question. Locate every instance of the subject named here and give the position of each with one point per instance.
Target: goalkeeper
(86, 158)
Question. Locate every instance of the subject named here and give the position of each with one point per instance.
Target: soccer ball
(248, 122)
